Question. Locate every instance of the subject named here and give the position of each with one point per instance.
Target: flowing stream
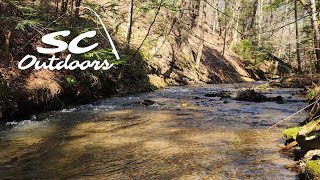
(174, 133)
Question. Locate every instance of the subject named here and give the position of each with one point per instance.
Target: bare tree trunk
(145, 38)
(64, 5)
(316, 35)
(283, 30)
(201, 27)
(271, 19)
(71, 4)
(225, 40)
(130, 23)
(297, 36)
(260, 19)
(57, 7)
(255, 8)
(236, 24)
(225, 30)
(63, 2)
(7, 45)
(77, 12)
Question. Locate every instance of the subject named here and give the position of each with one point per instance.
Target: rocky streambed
(192, 132)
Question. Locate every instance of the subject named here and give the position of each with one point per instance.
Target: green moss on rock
(313, 169)
(291, 133)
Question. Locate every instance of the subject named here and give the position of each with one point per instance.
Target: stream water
(184, 135)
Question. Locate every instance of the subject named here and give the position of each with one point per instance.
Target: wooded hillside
(161, 42)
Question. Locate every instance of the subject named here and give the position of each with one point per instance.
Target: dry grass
(42, 86)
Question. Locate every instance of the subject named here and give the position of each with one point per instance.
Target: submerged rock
(222, 94)
(148, 102)
(226, 102)
(145, 102)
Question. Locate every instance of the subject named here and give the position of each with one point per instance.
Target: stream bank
(304, 140)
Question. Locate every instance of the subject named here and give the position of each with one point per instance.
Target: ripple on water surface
(177, 137)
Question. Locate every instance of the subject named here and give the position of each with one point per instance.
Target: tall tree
(260, 21)
(201, 28)
(253, 17)
(297, 35)
(316, 35)
(130, 23)
(225, 28)
(235, 20)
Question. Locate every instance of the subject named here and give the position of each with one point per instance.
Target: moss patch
(313, 169)
(312, 93)
(291, 133)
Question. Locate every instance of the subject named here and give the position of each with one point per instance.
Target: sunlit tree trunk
(201, 27)
(235, 17)
(71, 5)
(316, 36)
(130, 23)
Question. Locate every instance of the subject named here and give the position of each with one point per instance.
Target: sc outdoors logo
(73, 48)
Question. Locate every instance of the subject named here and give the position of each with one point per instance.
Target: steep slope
(168, 42)
(170, 45)
(177, 65)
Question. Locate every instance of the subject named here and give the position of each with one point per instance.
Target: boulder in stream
(291, 133)
(253, 96)
(308, 137)
(312, 155)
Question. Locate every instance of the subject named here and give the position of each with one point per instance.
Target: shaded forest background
(161, 42)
